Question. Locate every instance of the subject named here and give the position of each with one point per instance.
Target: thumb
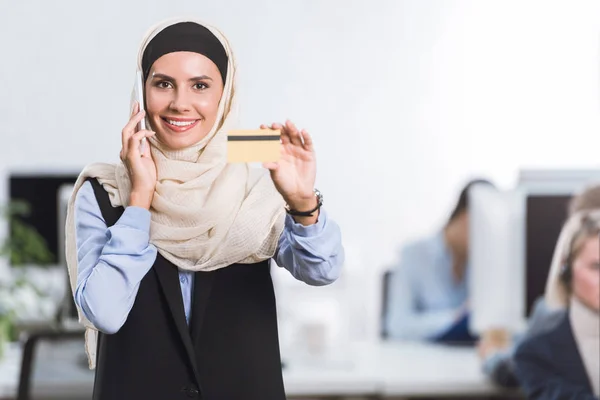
(271, 166)
(146, 149)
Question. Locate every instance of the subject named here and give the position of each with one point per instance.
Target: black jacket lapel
(168, 276)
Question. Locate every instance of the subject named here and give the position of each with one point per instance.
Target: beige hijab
(584, 322)
(205, 214)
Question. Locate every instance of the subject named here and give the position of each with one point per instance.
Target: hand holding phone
(140, 166)
(139, 97)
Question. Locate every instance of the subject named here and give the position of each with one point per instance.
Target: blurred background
(407, 101)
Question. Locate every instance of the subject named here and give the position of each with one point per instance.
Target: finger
(143, 147)
(271, 166)
(146, 153)
(293, 133)
(285, 138)
(134, 109)
(129, 129)
(139, 145)
(308, 142)
(147, 148)
(135, 141)
(272, 127)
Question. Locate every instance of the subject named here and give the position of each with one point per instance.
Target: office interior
(406, 101)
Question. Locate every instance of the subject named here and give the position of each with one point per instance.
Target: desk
(350, 374)
(377, 370)
(416, 369)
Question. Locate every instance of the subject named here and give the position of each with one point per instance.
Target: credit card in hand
(255, 145)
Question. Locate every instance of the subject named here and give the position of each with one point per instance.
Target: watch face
(319, 195)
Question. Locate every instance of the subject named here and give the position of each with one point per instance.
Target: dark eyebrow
(168, 78)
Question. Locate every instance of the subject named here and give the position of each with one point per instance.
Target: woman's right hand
(493, 341)
(141, 167)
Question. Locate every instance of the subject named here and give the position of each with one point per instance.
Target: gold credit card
(254, 145)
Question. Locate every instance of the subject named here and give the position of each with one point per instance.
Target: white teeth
(180, 123)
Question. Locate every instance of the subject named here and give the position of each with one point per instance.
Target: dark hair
(463, 199)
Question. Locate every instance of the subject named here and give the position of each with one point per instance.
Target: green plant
(23, 245)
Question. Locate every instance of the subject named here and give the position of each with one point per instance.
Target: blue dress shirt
(423, 298)
(112, 261)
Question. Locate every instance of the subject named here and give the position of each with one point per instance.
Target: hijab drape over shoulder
(205, 214)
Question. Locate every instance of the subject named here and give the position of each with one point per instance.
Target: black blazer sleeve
(549, 367)
(540, 382)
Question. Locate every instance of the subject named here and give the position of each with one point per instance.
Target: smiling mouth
(179, 125)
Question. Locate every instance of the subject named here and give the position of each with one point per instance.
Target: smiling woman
(182, 105)
(169, 251)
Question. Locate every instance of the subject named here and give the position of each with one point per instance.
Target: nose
(180, 102)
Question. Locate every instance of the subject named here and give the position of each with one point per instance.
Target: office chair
(56, 359)
(383, 333)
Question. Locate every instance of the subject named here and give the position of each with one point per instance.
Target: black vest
(229, 351)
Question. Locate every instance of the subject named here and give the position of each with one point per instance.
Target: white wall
(406, 99)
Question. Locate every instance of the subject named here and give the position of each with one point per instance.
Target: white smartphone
(139, 97)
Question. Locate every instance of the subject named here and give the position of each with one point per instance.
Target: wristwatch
(297, 213)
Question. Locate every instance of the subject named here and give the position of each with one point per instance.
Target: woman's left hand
(493, 341)
(295, 173)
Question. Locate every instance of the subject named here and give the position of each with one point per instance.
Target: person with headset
(563, 361)
(495, 350)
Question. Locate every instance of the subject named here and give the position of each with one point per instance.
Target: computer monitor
(557, 180)
(547, 194)
(495, 278)
(544, 218)
(40, 190)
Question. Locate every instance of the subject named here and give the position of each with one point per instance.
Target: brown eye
(163, 85)
(200, 86)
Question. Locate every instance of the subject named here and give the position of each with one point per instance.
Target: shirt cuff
(136, 218)
(307, 231)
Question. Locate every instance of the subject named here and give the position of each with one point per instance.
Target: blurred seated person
(563, 361)
(496, 347)
(427, 290)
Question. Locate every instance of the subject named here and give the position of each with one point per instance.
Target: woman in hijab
(169, 250)
(563, 362)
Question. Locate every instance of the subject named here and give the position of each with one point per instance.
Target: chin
(179, 143)
(180, 140)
